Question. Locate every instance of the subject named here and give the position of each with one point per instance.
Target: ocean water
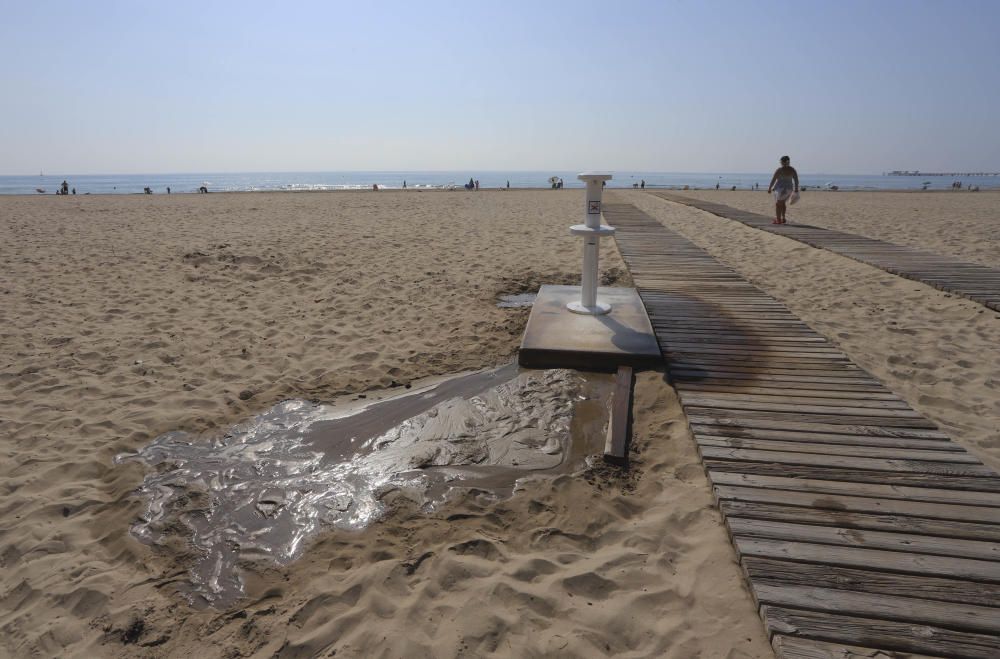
(321, 181)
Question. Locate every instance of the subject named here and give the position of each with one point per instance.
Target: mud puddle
(263, 488)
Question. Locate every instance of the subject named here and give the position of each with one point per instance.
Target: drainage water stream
(267, 485)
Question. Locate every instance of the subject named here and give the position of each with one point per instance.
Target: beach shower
(591, 231)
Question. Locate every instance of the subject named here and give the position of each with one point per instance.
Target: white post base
(598, 309)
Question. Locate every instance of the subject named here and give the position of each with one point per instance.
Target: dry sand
(127, 317)
(962, 224)
(939, 351)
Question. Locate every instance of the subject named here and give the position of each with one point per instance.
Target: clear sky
(156, 87)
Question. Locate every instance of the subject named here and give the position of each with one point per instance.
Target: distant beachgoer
(642, 184)
(203, 190)
(404, 183)
(477, 184)
(508, 185)
(74, 190)
(168, 189)
(716, 186)
(375, 187)
(65, 187)
(784, 183)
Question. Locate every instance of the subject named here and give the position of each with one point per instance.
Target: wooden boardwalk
(858, 524)
(976, 282)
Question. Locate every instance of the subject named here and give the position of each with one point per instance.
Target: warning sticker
(593, 208)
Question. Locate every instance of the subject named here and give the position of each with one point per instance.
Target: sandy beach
(128, 317)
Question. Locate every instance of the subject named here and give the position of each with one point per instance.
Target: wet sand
(128, 317)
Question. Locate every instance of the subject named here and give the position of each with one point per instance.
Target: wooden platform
(973, 281)
(859, 525)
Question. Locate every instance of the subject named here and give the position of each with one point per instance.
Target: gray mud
(267, 485)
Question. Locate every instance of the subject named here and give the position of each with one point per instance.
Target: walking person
(784, 183)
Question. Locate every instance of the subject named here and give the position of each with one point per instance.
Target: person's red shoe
(776, 222)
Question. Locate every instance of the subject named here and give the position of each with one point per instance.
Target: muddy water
(267, 485)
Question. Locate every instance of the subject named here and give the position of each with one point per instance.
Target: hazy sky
(844, 87)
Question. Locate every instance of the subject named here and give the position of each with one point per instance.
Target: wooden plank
(809, 350)
(854, 520)
(728, 432)
(874, 464)
(851, 537)
(950, 615)
(848, 503)
(882, 491)
(811, 472)
(616, 443)
(852, 450)
(777, 572)
(805, 417)
(883, 634)
(798, 404)
(791, 647)
(875, 559)
(817, 426)
(775, 396)
(848, 375)
(842, 392)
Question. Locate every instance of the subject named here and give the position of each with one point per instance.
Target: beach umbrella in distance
(553, 180)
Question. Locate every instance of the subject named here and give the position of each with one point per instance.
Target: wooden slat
(860, 504)
(792, 647)
(874, 582)
(751, 434)
(851, 537)
(799, 405)
(787, 418)
(848, 462)
(832, 449)
(951, 615)
(882, 634)
(820, 426)
(858, 476)
(855, 520)
(885, 561)
(934, 494)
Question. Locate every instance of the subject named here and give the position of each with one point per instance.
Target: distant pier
(919, 173)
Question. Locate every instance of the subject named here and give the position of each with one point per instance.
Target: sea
(48, 183)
